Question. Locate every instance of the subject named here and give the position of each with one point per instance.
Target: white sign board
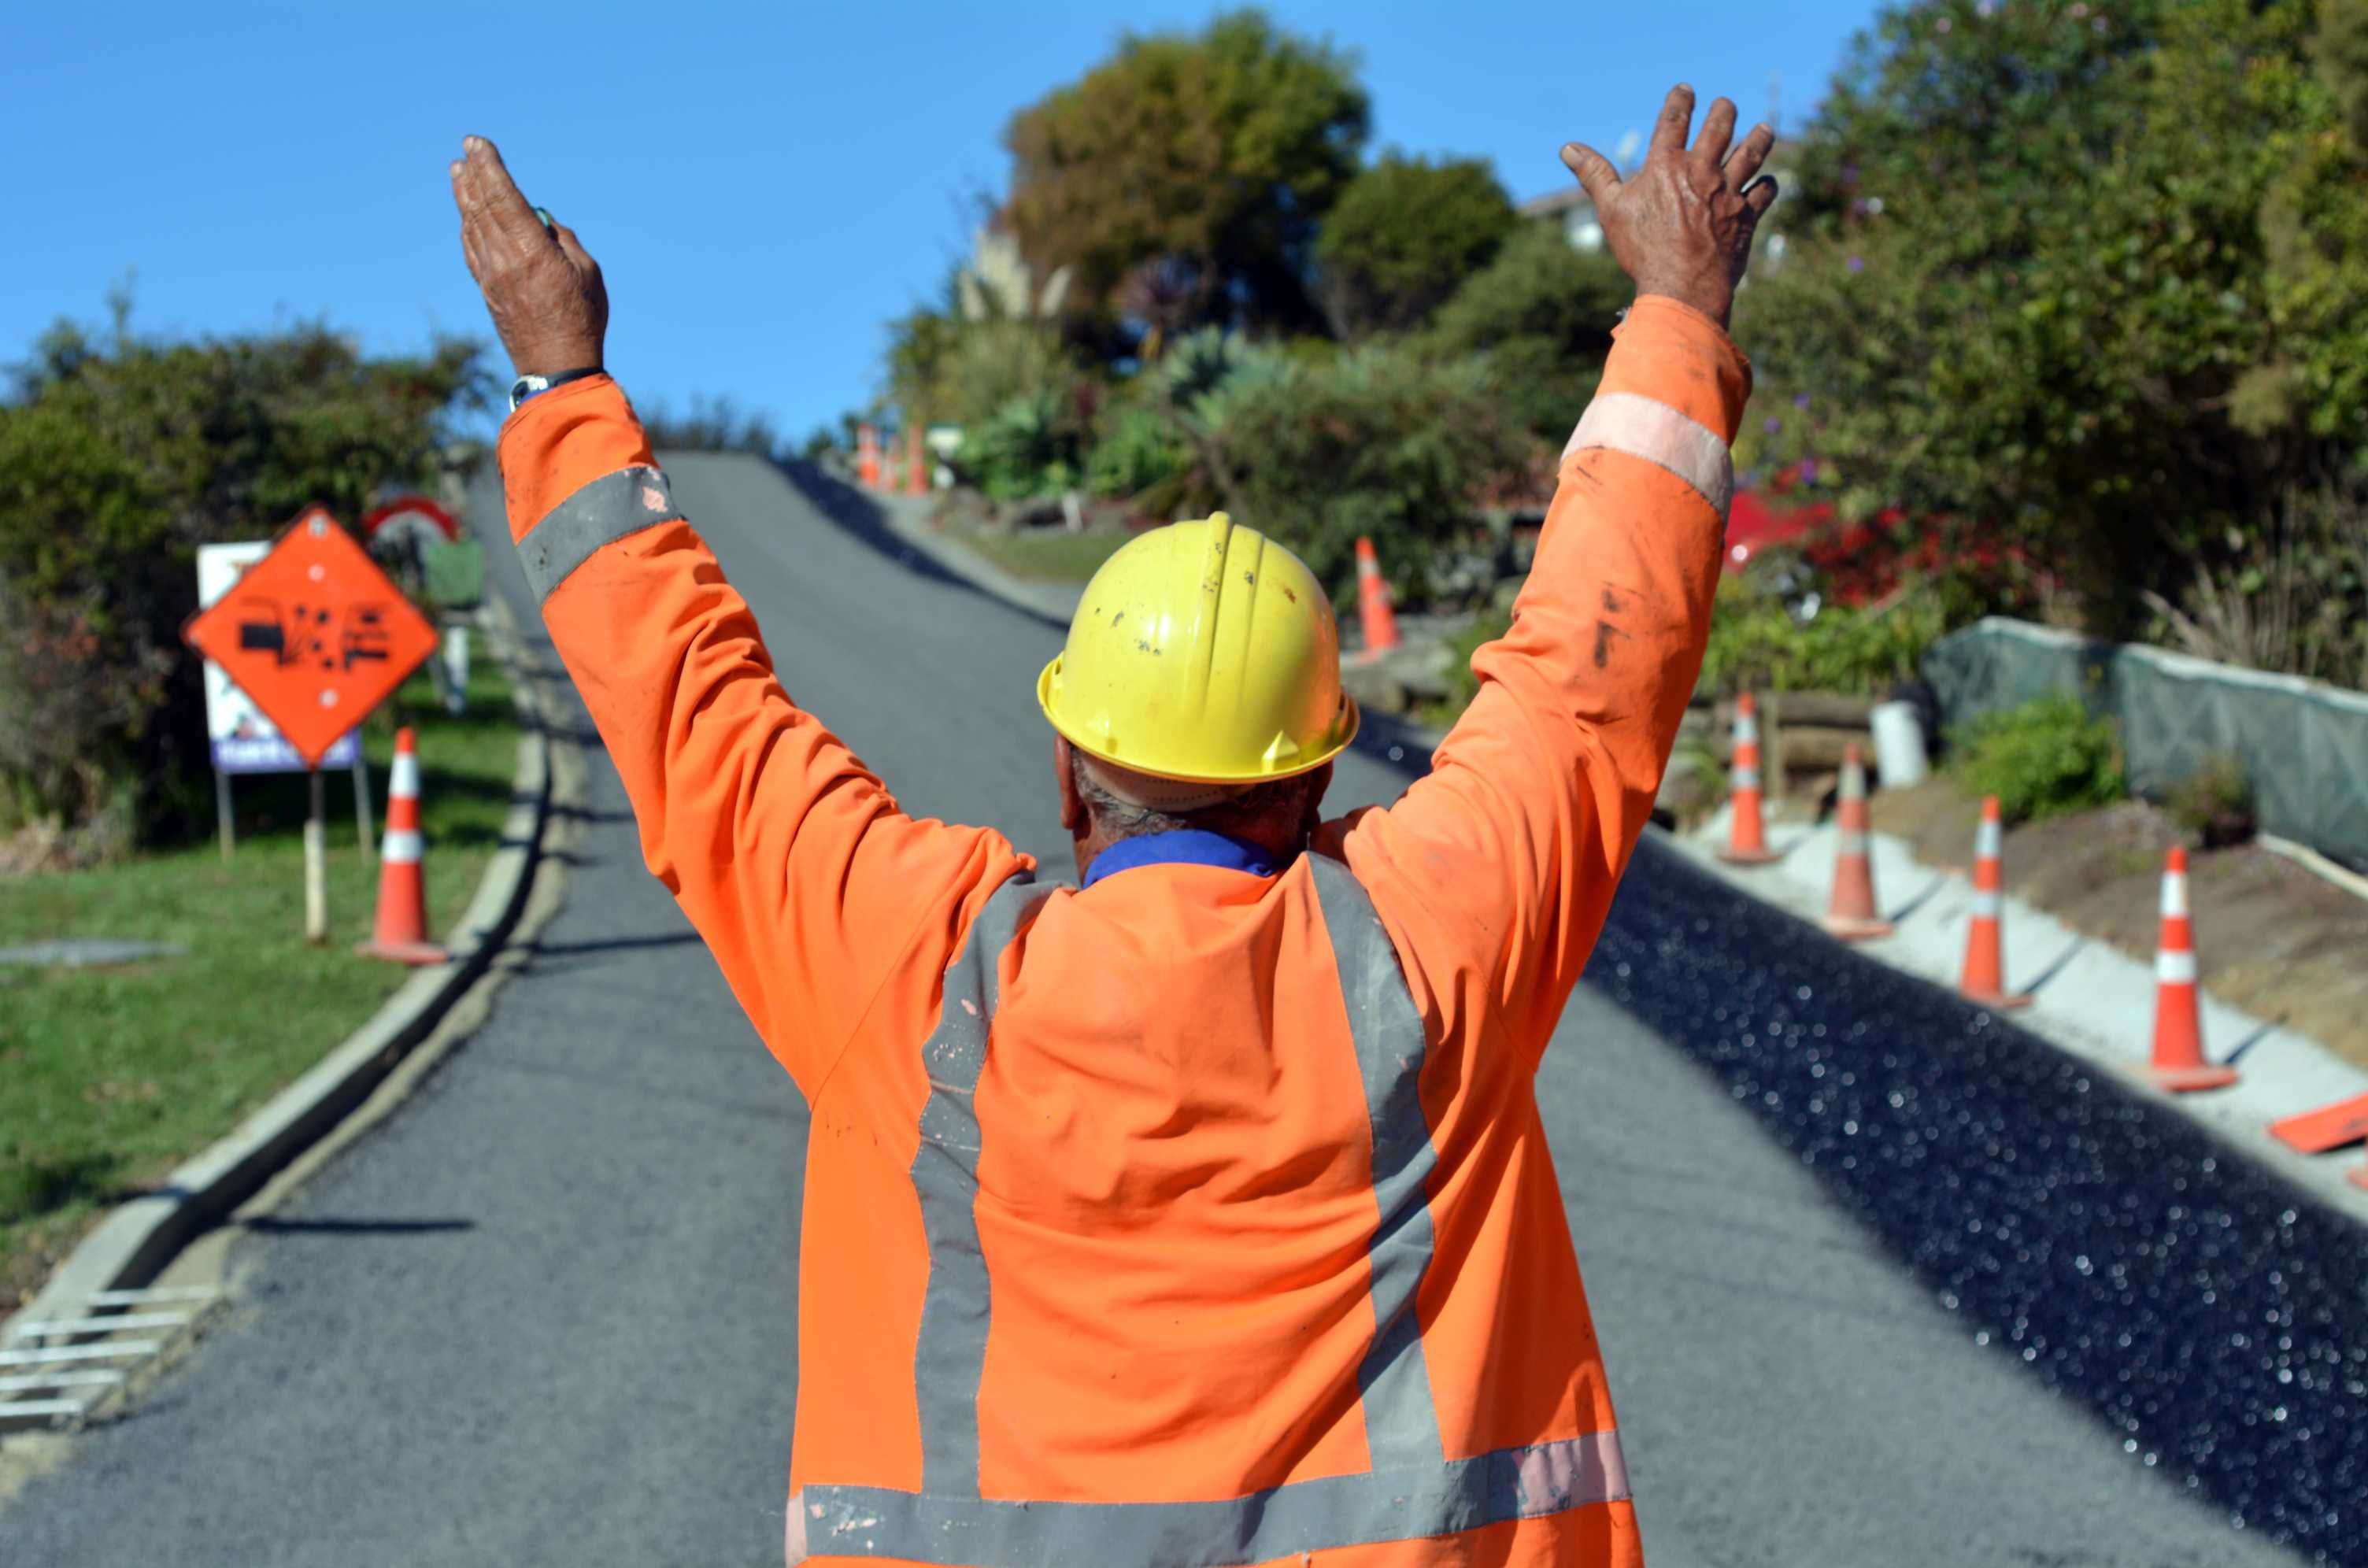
(243, 740)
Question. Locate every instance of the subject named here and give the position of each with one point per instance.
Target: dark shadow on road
(2245, 1046)
(613, 944)
(1900, 916)
(274, 1225)
(2053, 970)
(859, 516)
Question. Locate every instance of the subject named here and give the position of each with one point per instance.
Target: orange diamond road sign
(314, 632)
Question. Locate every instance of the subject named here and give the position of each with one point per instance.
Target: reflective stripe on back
(1401, 1421)
(950, 1357)
(601, 513)
(1410, 1491)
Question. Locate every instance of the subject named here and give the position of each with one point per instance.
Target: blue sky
(764, 185)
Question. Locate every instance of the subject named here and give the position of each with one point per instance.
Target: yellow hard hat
(1202, 652)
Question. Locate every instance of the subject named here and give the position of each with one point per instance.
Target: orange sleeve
(789, 856)
(1494, 871)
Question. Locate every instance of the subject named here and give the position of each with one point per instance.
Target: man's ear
(1312, 815)
(1074, 818)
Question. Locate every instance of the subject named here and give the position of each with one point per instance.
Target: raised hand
(544, 291)
(1683, 226)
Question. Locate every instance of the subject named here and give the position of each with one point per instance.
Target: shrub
(1405, 232)
(1027, 448)
(1377, 442)
(2042, 759)
(1141, 450)
(2214, 805)
(1542, 313)
(1756, 644)
(119, 458)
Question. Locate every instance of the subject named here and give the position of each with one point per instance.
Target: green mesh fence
(2305, 745)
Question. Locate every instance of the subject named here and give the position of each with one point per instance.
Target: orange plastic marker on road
(402, 928)
(1747, 834)
(1851, 914)
(1984, 974)
(2329, 1127)
(2179, 1064)
(1381, 622)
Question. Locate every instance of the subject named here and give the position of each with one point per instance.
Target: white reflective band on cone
(1985, 905)
(1987, 843)
(2174, 892)
(2174, 968)
(1852, 843)
(404, 779)
(1746, 728)
(402, 848)
(1746, 778)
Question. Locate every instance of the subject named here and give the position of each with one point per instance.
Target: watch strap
(526, 387)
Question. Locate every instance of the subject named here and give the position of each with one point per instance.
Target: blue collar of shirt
(1184, 847)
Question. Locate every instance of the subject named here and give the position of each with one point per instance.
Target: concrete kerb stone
(2091, 1001)
(142, 1236)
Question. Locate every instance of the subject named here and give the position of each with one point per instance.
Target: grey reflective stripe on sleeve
(601, 513)
(1416, 1503)
(949, 1355)
(1626, 422)
(1401, 1420)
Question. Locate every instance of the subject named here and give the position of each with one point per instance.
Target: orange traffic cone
(1747, 834)
(1985, 976)
(1851, 914)
(402, 930)
(917, 473)
(2179, 1064)
(1373, 602)
(867, 456)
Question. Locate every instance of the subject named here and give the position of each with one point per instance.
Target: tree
(2028, 295)
(1542, 314)
(1405, 232)
(1216, 153)
(117, 459)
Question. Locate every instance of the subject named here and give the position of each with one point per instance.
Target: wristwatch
(526, 387)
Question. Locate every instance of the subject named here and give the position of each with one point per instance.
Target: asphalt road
(545, 1314)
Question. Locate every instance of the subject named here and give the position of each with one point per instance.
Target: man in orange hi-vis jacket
(1200, 1214)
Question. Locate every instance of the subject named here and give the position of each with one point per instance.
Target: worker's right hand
(1682, 224)
(544, 291)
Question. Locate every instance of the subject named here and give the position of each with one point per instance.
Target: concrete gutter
(2087, 999)
(134, 1243)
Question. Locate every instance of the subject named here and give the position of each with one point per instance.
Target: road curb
(135, 1241)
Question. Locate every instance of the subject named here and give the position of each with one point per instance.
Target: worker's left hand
(544, 290)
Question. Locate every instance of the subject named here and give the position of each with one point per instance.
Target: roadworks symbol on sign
(315, 633)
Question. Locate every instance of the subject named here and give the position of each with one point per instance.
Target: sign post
(316, 636)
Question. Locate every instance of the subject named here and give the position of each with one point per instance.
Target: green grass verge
(1047, 555)
(109, 1077)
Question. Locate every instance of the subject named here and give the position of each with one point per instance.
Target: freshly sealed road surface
(545, 1314)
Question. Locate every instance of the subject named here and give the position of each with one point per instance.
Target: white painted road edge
(141, 1234)
(2099, 1004)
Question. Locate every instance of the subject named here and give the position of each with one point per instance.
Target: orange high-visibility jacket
(1200, 1217)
